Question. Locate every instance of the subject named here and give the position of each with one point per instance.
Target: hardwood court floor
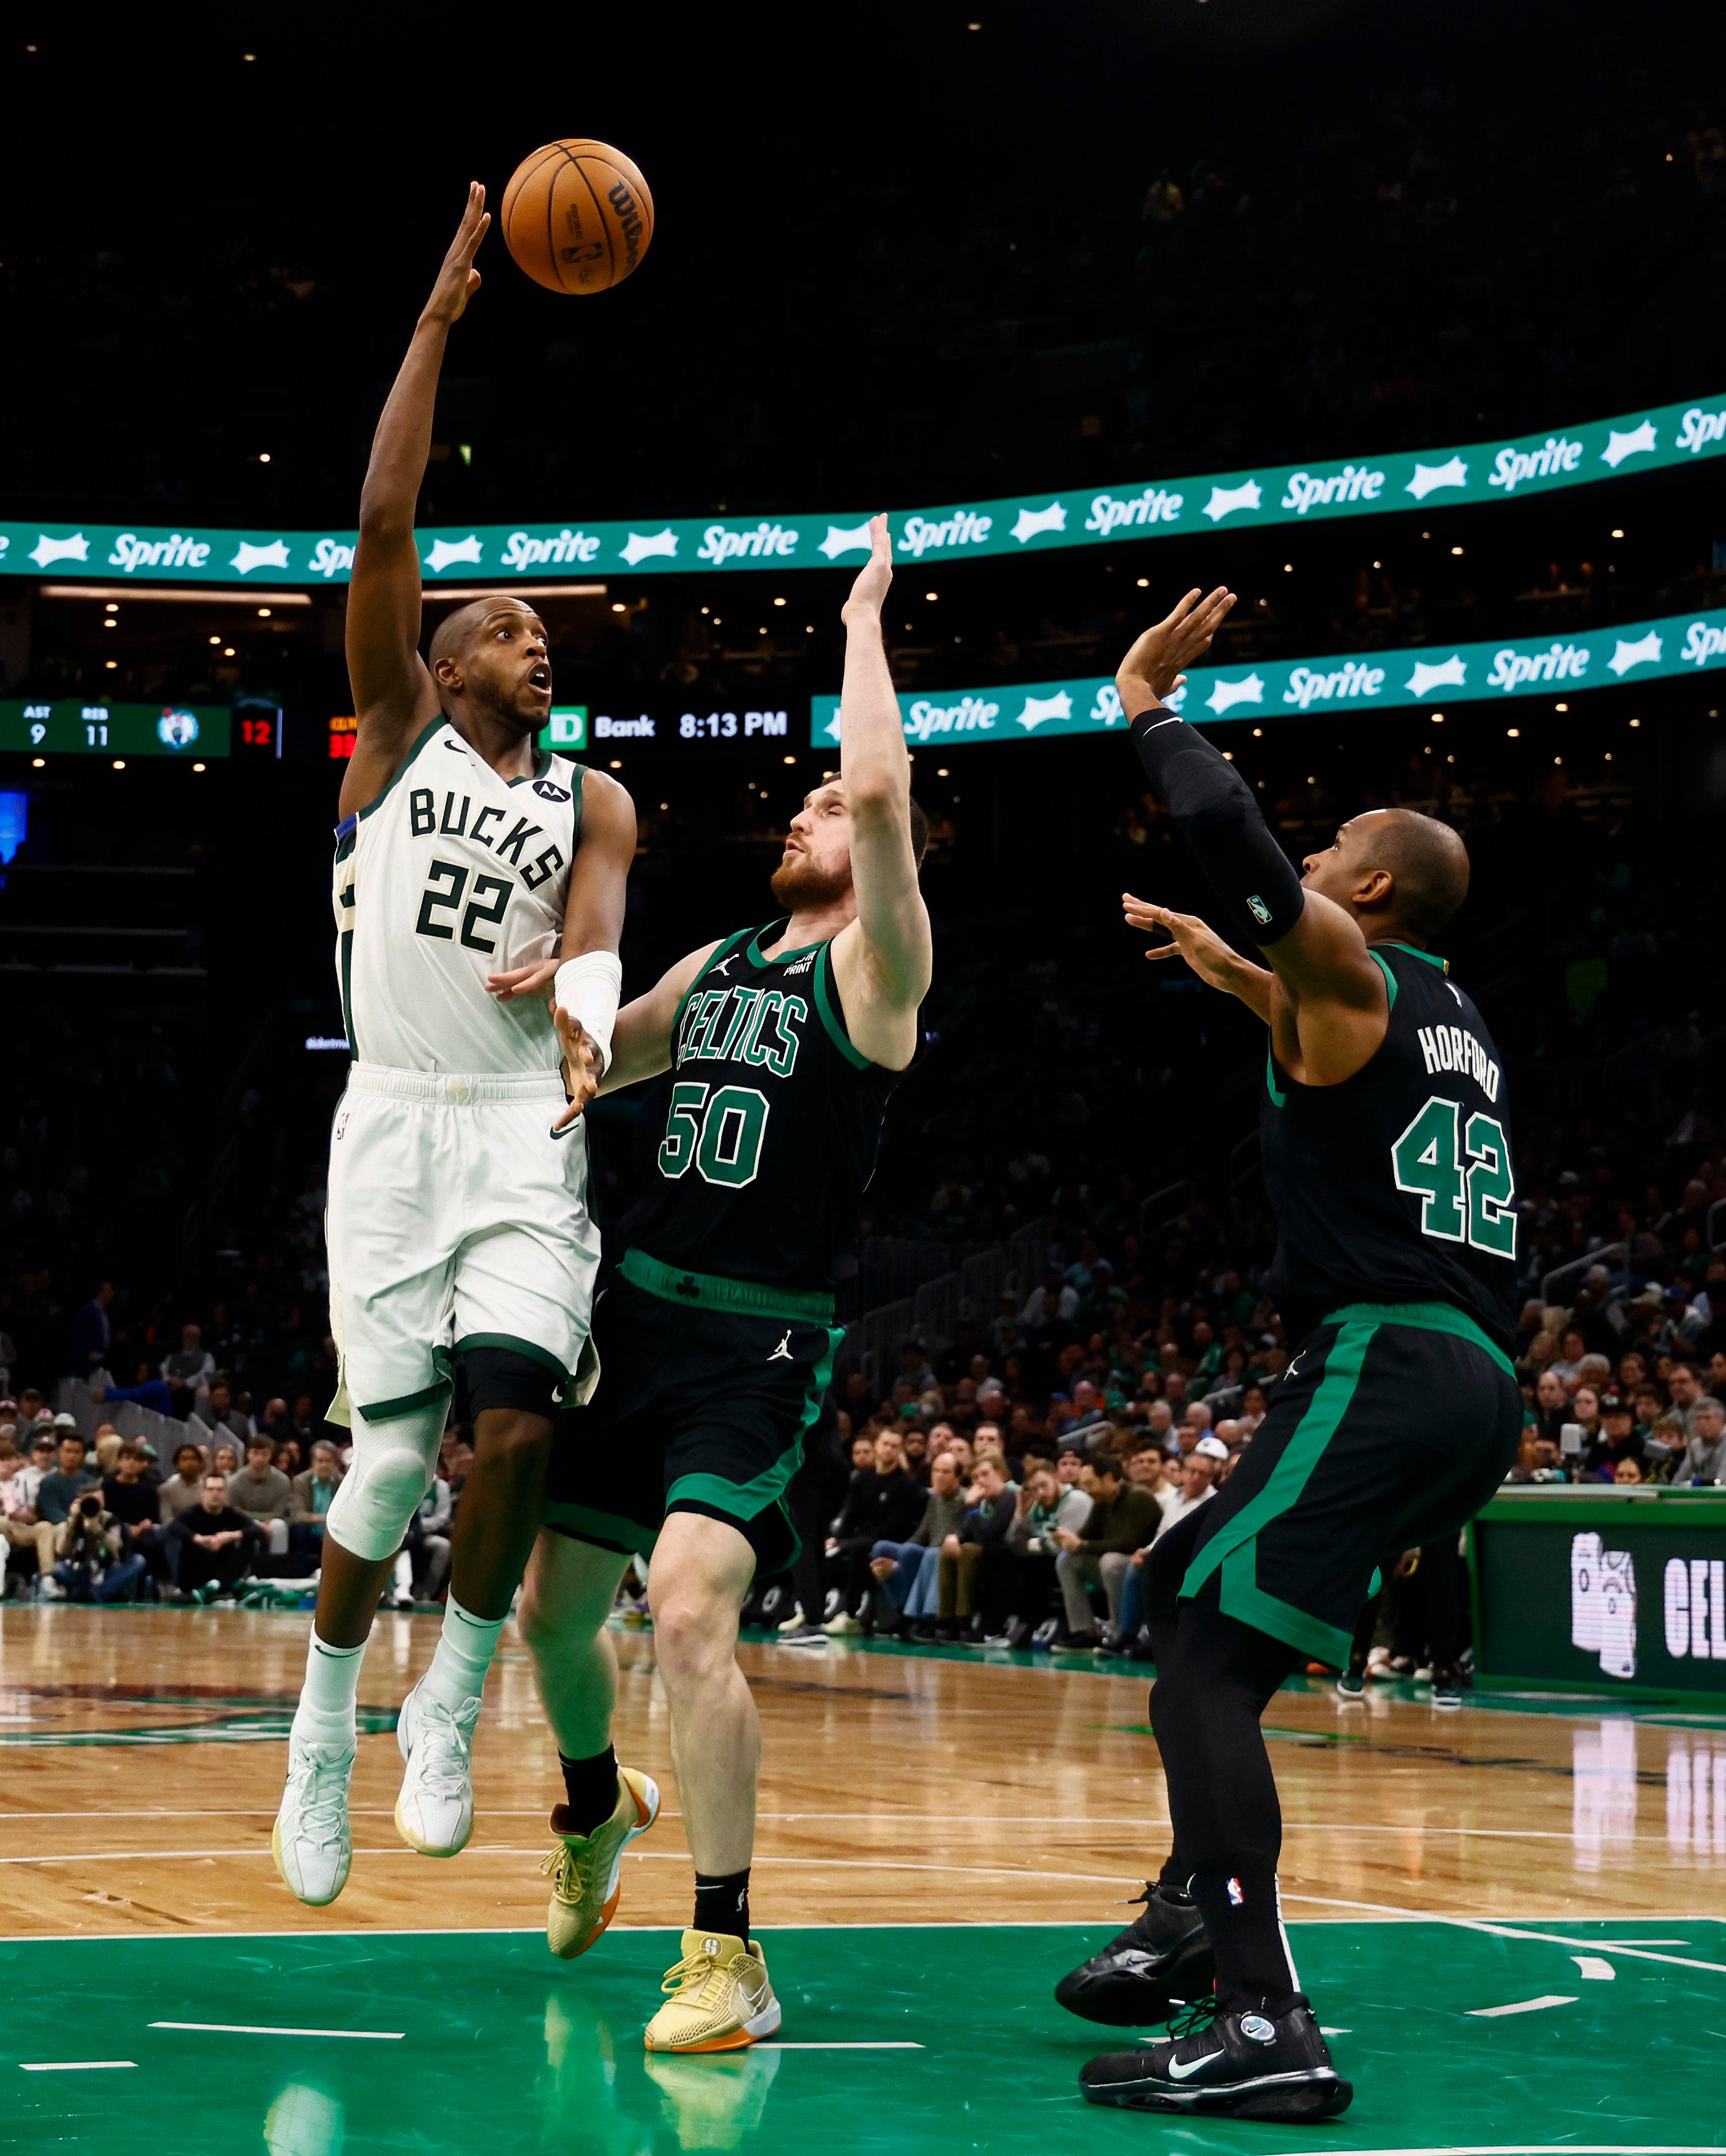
(942, 1836)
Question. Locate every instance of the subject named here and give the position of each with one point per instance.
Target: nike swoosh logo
(1182, 2070)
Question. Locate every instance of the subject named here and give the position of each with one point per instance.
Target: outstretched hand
(1155, 662)
(458, 280)
(1204, 950)
(582, 1066)
(870, 591)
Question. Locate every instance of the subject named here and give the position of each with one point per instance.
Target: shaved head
(455, 630)
(1428, 862)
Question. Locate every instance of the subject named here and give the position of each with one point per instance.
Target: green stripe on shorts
(1231, 1548)
(1425, 1317)
(742, 1500)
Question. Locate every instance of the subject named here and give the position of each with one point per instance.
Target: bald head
(455, 631)
(1395, 870)
(1428, 864)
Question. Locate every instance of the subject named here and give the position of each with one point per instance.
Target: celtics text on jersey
(452, 873)
(773, 1123)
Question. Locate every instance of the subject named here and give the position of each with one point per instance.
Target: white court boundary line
(73, 2065)
(1385, 1915)
(260, 2028)
(1506, 1931)
(1523, 2005)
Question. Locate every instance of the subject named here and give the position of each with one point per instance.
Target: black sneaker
(1161, 1961)
(1447, 1688)
(1242, 2064)
(1352, 1683)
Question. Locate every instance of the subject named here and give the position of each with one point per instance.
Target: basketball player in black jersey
(1388, 1163)
(716, 1339)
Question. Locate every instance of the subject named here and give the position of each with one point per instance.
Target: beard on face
(801, 882)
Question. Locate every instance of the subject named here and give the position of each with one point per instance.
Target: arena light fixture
(618, 607)
(191, 594)
(1513, 733)
(1144, 582)
(263, 614)
(112, 665)
(1617, 535)
(931, 596)
(1561, 707)
(38, 762)
(1637, 722)
(120, 763)
(198, 767)
(112, 607)
(781, 602)
(1438, 718)
(1456, 550)
(516, 591)
(792, 759)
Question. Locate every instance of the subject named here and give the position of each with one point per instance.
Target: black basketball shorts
(706, 1388)
(1393, 1424)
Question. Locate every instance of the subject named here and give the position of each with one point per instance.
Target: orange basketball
(576, 216)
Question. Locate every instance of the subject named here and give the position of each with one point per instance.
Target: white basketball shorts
(455, 1221)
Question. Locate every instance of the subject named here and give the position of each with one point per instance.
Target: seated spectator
(265, 1494)
(1028, 1574)
(224, 1460)
(1628, 1469)
(216, 1543)
(428, 1549)
(1703, 1460)
(883, 1504)
(1123, 1518)
(1147, 1470)
(312, 1490)
(289, 1457)
(1200, 1475)
(906, 1572)
(967, 1572)
(1552, 1404)
(1620, 1439)
(1684, 1385)
(221, 1416)
(91, 1561)
(1566, 1366)
(20, 1527)
(1585, 1410)
(60, 1489)
(131, 1502)
(184, 1487)
(917, 1455)
(188, 1367)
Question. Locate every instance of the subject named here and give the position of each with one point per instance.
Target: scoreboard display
(578, 729)
(89, 726)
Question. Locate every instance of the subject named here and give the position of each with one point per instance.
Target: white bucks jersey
(452, 873)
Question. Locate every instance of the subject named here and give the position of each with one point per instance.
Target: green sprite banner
(1477, 472)
(1285, 688)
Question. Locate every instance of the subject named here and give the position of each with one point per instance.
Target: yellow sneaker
(583, 1868)
(717, 1998)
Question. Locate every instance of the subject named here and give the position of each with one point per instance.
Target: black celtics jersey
(1398, 1185)
(773, 1125)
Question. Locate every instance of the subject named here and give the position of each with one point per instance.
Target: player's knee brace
(390, 1471)
(502, 1377)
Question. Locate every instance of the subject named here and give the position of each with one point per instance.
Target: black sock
(589, 1792)
(1244, 1918)
(722, 1904)
(1174, 1883)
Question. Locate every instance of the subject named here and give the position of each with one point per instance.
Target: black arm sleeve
(1215, 812)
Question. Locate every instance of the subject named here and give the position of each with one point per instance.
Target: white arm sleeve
(588, 988)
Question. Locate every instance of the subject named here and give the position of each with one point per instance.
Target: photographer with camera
(92, 1563)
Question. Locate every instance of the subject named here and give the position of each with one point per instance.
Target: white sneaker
(435, 1812)
(843, 1626)
(49, 1589)
(311, 1842)
(791, 1623)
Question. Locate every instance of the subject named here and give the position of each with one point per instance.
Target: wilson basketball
(576, 216)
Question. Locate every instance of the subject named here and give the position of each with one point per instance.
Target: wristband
(588, 988)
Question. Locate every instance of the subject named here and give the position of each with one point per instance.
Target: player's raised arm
(393, 693)
(889, 976)
(1316, 949)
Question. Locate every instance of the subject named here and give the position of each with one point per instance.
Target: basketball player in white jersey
(476, 881)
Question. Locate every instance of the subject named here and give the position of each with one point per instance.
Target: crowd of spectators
(240, 1516)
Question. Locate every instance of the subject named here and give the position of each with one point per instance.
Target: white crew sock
(326, 1711)
(464, 1651)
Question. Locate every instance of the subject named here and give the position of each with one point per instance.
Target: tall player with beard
(467, 866)
(716, 1339)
